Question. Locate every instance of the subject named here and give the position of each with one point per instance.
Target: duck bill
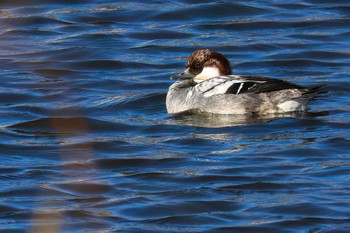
(184, 75)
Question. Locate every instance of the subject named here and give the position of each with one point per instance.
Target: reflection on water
(220, 121)
(86, 143)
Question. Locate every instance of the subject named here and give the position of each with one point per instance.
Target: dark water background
(86, 144)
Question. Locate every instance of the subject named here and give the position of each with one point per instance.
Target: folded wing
(234, 84)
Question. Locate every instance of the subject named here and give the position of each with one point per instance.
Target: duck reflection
(220, 120)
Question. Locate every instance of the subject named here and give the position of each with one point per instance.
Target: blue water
(87, 146)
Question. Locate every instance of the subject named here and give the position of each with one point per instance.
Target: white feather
(292, 105)
(240, 88)
(207, 73)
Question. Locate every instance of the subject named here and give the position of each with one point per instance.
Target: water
(87, 146)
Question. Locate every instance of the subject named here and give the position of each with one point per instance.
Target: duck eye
(198, 65)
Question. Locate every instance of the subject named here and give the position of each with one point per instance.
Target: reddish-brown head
(207, 58)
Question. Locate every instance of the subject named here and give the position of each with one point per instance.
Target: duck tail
(314, 91)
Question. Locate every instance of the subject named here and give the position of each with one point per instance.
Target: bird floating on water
(207, 85)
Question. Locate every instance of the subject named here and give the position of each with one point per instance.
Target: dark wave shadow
(67, 126)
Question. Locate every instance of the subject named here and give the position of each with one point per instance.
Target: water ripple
(86, 142)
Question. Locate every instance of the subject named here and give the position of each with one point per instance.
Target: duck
(207, 85)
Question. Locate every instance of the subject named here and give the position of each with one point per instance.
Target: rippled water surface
(86, 144)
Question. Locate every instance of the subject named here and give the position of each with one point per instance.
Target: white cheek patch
(207, 73)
